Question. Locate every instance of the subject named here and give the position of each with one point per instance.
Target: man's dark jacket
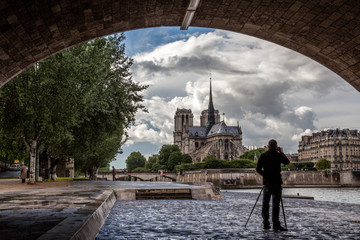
(269, 167)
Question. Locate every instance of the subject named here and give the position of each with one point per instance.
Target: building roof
(222, 128)
(218, 128)
(197, 131)
(331, 133)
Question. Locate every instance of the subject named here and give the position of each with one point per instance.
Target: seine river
(335, 214)
(340, 195)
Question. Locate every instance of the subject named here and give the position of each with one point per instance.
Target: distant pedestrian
(269, 166)
(114, 173)
(23, 172)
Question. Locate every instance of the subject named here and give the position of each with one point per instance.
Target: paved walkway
(29, 211)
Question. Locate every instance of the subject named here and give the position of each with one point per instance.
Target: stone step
(149, 194)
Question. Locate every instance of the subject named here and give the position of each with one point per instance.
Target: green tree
(175, 158)
(186, 158)
(135, 160)
(213, 162)
(323, 164)
(11, 150)
(301, 166)
(150, 163)
(189, 167)
(165, 152)
(156, 166)
(242, 163)
(34, 109)
(251, 154)
(77, 103)
(140, 169)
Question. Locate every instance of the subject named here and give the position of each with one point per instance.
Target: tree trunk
(37, 166)
(33, 147)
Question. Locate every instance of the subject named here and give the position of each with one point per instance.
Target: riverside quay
(109, 210)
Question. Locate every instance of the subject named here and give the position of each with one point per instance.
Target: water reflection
(341, 195)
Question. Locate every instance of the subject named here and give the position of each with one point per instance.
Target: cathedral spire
(211, 111)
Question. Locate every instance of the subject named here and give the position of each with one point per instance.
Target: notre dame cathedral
(212, 137)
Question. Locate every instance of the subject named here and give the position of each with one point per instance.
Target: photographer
(269, 166)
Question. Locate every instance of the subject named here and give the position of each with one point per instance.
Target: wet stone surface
(194, 219)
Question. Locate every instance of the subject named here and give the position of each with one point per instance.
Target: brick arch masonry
(326, 31)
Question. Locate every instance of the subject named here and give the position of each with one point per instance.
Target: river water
(335, 214)
(340, 195)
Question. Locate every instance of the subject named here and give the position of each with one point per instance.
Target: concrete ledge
(125, 194)
(86, 222)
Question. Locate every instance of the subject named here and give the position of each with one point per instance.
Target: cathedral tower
(183, 119)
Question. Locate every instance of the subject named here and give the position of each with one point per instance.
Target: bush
(216, 163)
(175, 158)
(251, 154)
(189, 167)
(156, 166)
(323, 164)
(242, 163)
(187, 158)
(301, 166)
(140, 169)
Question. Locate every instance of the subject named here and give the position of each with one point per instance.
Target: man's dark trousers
(273, 191)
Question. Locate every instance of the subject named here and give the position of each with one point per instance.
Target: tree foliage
(242, 163)
(11, 150)
(301, 166)
(189, 167)
(186, 159)
(251, 154)
(175, 158)
(212, 162)
(135, 160)
(323, 164)
(140, 169)
(77, 103)
(165, 152)
(150, 163)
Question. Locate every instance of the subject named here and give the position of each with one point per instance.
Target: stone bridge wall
(243, 178)
(140, 176)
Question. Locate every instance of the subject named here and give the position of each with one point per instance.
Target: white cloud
(297, 137)
(274, 92)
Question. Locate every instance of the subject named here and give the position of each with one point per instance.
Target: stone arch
(326, 31)
(132, 178)
(160, 178)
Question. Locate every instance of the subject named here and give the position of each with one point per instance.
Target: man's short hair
(272, 144)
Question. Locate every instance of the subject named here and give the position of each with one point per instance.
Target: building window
(227, 144)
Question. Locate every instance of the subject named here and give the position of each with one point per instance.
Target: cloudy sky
(274, 92)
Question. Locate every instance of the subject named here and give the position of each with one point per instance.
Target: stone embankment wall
(245, 178)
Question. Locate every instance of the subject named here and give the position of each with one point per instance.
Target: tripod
(282, 207)
(254, 206)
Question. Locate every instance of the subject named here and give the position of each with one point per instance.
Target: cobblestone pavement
(191, 219)
(27, 213)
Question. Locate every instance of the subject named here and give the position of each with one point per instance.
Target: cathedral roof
(221, 127)
(197, 131)
(218, 128)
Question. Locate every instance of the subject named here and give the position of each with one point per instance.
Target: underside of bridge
(326, 31)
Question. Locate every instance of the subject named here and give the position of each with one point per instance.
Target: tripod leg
(253, 207)
(282, 206)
